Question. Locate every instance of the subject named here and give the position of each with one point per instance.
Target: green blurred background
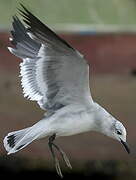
(74, 11)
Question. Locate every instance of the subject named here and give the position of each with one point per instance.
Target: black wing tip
(18, 31)
(24, 8)
(22, 5)
(24, 11)
(11, 140)
(17, 24)
(15, 19)
(34, 24)
(27, 15)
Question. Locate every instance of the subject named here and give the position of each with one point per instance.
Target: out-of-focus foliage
(73, 11)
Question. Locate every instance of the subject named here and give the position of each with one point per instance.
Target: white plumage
(49, 72)
(56, 76)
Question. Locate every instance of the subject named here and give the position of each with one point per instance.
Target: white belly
(72, 123)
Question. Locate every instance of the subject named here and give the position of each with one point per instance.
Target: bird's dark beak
(125, 145)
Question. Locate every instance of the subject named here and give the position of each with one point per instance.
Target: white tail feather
(17, 140)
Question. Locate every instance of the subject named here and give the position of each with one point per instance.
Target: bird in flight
(56, 76)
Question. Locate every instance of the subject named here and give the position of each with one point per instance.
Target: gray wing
(53, 73)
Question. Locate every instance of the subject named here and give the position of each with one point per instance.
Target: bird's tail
(17, 140)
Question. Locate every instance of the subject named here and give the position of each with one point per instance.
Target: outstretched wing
(53, 73)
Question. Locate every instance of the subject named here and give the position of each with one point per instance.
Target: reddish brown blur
(112, 58)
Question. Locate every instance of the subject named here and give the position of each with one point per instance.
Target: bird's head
(110, 126)
(118, 132)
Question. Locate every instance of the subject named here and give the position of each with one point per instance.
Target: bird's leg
(64, 156)
(50, 143)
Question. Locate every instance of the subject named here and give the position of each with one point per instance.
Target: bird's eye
(119, 132)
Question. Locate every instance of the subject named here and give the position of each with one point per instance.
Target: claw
(65, 158)
(58, 169)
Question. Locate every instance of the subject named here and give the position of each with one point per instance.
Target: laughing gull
(56, 76)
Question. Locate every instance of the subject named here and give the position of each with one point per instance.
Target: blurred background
(105, 32)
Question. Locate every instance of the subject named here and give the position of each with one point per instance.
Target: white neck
(103, 120)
